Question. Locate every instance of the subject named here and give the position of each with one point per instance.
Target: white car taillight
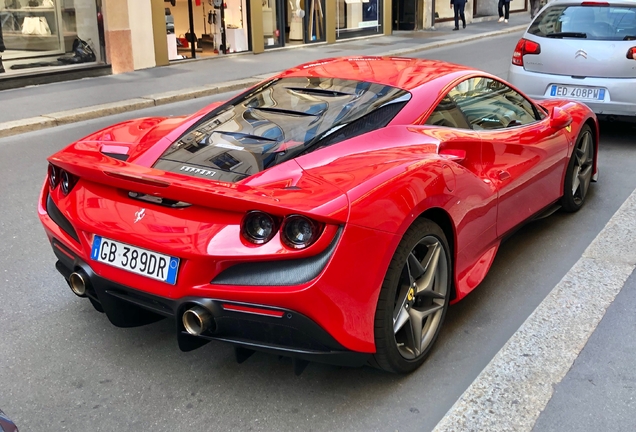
(524, 46)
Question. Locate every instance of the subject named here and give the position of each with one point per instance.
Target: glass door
(273, 11)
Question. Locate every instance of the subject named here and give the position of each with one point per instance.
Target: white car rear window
(586, 22)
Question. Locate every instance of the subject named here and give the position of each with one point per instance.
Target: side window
(448, 114)
(490, 104)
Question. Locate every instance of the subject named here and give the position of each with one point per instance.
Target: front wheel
(413, 299)
(579, 172)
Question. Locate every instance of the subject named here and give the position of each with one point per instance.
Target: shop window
(356, 17)
(271, 28)
(212, 20)
(57, 32)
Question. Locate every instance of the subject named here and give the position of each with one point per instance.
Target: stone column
(256, 22)
(159, 32)
(386, 20)
(119, 51)
(330, 20)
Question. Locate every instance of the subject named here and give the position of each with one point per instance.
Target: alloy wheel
(582, 175)
(420, 298)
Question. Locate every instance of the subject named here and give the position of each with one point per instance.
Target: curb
(46, 121)
(514, 388)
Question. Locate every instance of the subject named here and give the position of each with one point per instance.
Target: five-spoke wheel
(579, 172)
(414, 298)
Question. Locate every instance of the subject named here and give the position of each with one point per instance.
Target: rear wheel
(579, 173)
(413, 299)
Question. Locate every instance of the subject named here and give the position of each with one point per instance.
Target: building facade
(51, 37)
(88, 37)
(426, 14)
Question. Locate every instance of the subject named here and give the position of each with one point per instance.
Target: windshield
(586, 22)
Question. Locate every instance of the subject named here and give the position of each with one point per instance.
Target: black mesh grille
(57, 217)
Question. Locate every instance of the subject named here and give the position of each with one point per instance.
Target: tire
(422, 262)
(579, 172)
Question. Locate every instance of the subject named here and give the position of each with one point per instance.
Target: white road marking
(514, 388)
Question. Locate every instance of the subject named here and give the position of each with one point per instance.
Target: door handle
(504, 175)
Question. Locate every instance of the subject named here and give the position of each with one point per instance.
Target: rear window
(586, 22)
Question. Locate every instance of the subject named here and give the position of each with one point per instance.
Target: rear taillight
(299, 232)
(258, 227)
(524, 46)
(54, 176)
(67, 181)
(64, 179)
(296, 231)
(631, 53)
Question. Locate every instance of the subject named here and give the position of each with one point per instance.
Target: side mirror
(559, 118)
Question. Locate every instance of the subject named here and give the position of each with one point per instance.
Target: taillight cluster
(631, 53)
(296, 231)
(524, 46)
(65, 179)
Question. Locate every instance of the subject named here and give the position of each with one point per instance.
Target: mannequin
(297, 14)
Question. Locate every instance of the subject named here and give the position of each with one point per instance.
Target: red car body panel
(374, 187)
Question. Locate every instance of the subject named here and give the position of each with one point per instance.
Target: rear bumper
(252, 327)
(619, 100)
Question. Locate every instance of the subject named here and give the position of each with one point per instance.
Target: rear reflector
(524, 46)
(253, 310)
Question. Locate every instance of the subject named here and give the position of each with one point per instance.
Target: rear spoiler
(309, 195)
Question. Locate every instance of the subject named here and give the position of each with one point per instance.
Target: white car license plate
(137, 260)
(585, 93)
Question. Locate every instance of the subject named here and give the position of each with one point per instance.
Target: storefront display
(216, 27)
(304, 22)
(358, 17)
(56, 32)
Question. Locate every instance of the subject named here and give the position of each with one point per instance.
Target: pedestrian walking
(504, 6)
(458, 8)
(535, 5)
(2, 48)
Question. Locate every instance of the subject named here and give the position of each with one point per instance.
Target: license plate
(136, 260)
(587, 93)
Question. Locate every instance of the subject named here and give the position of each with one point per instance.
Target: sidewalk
(38, 107)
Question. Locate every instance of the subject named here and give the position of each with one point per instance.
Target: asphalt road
(63, 366)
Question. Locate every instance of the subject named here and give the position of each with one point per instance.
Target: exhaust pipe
(78, 282)
(197, 320)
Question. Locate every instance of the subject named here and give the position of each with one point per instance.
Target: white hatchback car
(581, 50)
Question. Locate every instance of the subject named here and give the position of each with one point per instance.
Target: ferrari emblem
(568, 128)
(410, 295)
(139, 215)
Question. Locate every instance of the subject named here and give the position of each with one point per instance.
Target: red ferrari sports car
(330, 213)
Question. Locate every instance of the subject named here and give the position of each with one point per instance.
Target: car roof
(400, 72)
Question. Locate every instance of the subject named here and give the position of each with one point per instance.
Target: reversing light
(67, 181)
(298, 232)
(54, 176)
(524, 46)
(258, 227)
